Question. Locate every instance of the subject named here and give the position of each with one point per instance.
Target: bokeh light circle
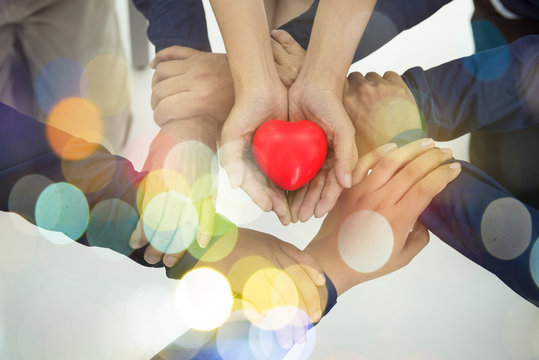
(158, 182)
(193, 160)
(106, 79)
(395, 116)
(365, 241)
(63, 208)
(222, 246)
(91, 174)
(111, 223)
(81, 120)
(23, 196)
(233, 340)
(170, 222)
(506, 228)
(270, 298)
(204, 299)
(534, 262)
(58, 80)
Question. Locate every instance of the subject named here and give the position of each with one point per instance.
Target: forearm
(495, 90)
(203, 129)
(337, 29)
(245, 32)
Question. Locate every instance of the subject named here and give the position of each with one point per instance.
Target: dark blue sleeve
(175, 22)
(389, 18)
(28, 166)
(494, 90)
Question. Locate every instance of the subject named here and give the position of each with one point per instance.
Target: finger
(393, 161)
(206, 217)
(346, 155)
(289, 44)
(178, 106)
(356, 78)
(393, 77)
(373, 77)
(169, 69)
(152, 255)
(171, 260)
(168, 87)
(310, 265)
(280, 205)
(369, 160)
(308, 292)
(417, 239)
(230, 156)
(257, 190)
(172, 53)
(331, 192)
(279, 53)
(296, 201)
(313, 196)
(138, 238)
(413, 172)
(421, 194)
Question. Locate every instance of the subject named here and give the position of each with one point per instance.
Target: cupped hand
(252, 108)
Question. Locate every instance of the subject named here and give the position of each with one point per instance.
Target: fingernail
(135, 237)
(169, 261)
(389, 147)
(447, 150)
(426, 142)
(455, 166)
(317, 315)
(152, 64)
(235, 180)
(347, 180)
(152, 260)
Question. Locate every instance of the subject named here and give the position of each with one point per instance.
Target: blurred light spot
(395, 116)
(506, 228)
(158, 182)
(63, 208)
(481, 65)
(107, 83)
(365, 241)
(193, 159)
(534, 262)
(58, 80)
(233, 341)
(81, 121)
(111, 223)
(23, 196)
(170, 222)
(91, 174)
(222, 247)
(271, 298)
(204, 299)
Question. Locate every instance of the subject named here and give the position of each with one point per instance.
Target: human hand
(188, 83)
(176, 200)
(371, 231)
(381, 108)
(252, 108)
(280, 288)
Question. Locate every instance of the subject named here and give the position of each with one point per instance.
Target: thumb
(231, 156)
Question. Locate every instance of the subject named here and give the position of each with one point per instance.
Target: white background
(72, 302)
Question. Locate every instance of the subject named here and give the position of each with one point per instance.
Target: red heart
(289, 153)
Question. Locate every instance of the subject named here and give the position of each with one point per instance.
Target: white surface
(72, 302)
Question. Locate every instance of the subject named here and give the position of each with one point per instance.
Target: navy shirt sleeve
(175, 22)
(496, 90)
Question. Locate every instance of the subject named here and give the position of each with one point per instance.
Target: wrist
(204, 129)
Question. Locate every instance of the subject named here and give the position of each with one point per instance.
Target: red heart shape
(289, 153)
